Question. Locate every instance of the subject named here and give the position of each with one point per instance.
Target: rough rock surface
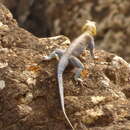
(112, 18)
(29, 97)
(54, 17)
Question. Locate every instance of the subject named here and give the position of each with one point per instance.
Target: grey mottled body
(83, 42)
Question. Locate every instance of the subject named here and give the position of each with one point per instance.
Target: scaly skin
(84, 41)
(75, 49)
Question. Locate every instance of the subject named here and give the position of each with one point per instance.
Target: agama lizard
(84, 41)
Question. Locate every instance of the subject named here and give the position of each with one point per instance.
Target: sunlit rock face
(29, 97)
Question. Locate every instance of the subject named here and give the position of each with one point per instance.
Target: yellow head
(89, 27)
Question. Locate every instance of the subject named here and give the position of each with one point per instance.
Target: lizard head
(90, 27)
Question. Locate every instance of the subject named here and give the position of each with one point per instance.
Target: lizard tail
(61, 91)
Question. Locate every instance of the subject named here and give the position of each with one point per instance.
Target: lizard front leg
(78, 65)
(91, 46)
(57, 53)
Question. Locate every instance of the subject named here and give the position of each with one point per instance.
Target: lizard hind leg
(57, 53)
(78, 65)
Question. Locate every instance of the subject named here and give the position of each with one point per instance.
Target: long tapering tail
(61, 92)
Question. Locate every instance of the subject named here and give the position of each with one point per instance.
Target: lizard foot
(53, 55)
(78, 79)
(46, 58)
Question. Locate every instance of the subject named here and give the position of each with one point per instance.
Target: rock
(112, 18)
(29, 99)
(50, 18)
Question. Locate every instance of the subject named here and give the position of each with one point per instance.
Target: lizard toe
(78, 79)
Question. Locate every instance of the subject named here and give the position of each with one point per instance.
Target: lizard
(69, 56)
